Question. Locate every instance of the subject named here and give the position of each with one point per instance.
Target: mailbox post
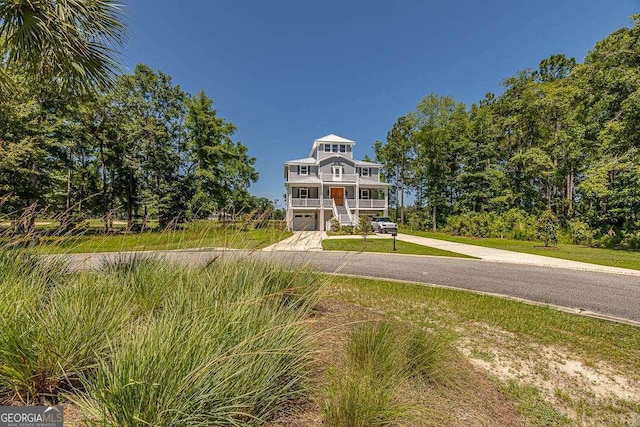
(394, 234)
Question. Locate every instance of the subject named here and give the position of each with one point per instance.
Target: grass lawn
(384, 245)
(560, 368)
(193, 235)
(600, 256)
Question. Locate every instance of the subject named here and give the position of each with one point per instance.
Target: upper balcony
(313, 178)
(330, 177)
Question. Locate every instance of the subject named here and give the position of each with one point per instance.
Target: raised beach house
(330, 183)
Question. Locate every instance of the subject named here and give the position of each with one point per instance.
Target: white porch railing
(372, 203)
(346, 206)
(345, 219)
(345, 177)
(305, 203)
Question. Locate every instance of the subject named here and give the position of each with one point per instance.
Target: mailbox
(394, 233)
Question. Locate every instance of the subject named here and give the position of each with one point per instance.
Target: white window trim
(306, 193)
(365, 172)
(335, 169)
(343, 148)
(334, 148)
(327, 148)
(306, 170)
(365, 194)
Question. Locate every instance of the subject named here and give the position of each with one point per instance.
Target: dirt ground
(568, 384)
(467, 398)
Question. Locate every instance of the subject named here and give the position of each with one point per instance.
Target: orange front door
(337, 194)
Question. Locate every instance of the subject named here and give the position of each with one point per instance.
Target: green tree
(69, 42)
(222, 170)
(439, 137)
(148, 175)
(482, 180)
(397, 157)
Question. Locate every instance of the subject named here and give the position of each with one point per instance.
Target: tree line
(142, 149)
(561, 141)
(79, 138)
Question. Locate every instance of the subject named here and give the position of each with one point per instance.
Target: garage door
(304, 222)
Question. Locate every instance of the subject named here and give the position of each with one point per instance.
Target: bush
(334, 224)
(519, 224)
(548, 228)
(346, 229)
(418, 220)
(514, 223)
(580, 233)
(364, 226)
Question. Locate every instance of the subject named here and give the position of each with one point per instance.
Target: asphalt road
(601, 294)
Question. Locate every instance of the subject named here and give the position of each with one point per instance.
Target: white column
(386, 201)
(289, 209)
(321, 219)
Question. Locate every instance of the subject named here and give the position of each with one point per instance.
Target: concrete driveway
(301, 241)
(501, 255)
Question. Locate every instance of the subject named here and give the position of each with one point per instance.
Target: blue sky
(288, 72)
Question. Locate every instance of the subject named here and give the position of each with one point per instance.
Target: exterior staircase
(343, 214)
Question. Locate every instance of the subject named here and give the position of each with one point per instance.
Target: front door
(337, 194)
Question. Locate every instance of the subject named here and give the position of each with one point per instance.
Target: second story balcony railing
(330, 177)
(345, 177)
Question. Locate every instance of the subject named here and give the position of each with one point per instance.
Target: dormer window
(343, 148)
(327, 148)
(334, 148)
(304, 170)
(364, 172)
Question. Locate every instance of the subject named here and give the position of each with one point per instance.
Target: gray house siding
(312, 194)
(323, 155)
(327, 163)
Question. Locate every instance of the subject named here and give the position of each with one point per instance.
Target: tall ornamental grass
(147, 342)
(383, 360)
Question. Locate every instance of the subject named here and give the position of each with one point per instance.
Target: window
(336, 171)
(327, 148)
(334, 148)
(343, 148)
(364, 172)
(364, 194)
(304, 170)
(304, 193)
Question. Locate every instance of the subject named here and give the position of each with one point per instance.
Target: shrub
(580, 232)
(519, 224)
(334, 224)
(346, 229)
(364, 226)
(548, 228)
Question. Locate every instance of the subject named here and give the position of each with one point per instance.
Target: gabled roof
(332, 138)
(335, 138)
(305, 161)
(363, 163)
